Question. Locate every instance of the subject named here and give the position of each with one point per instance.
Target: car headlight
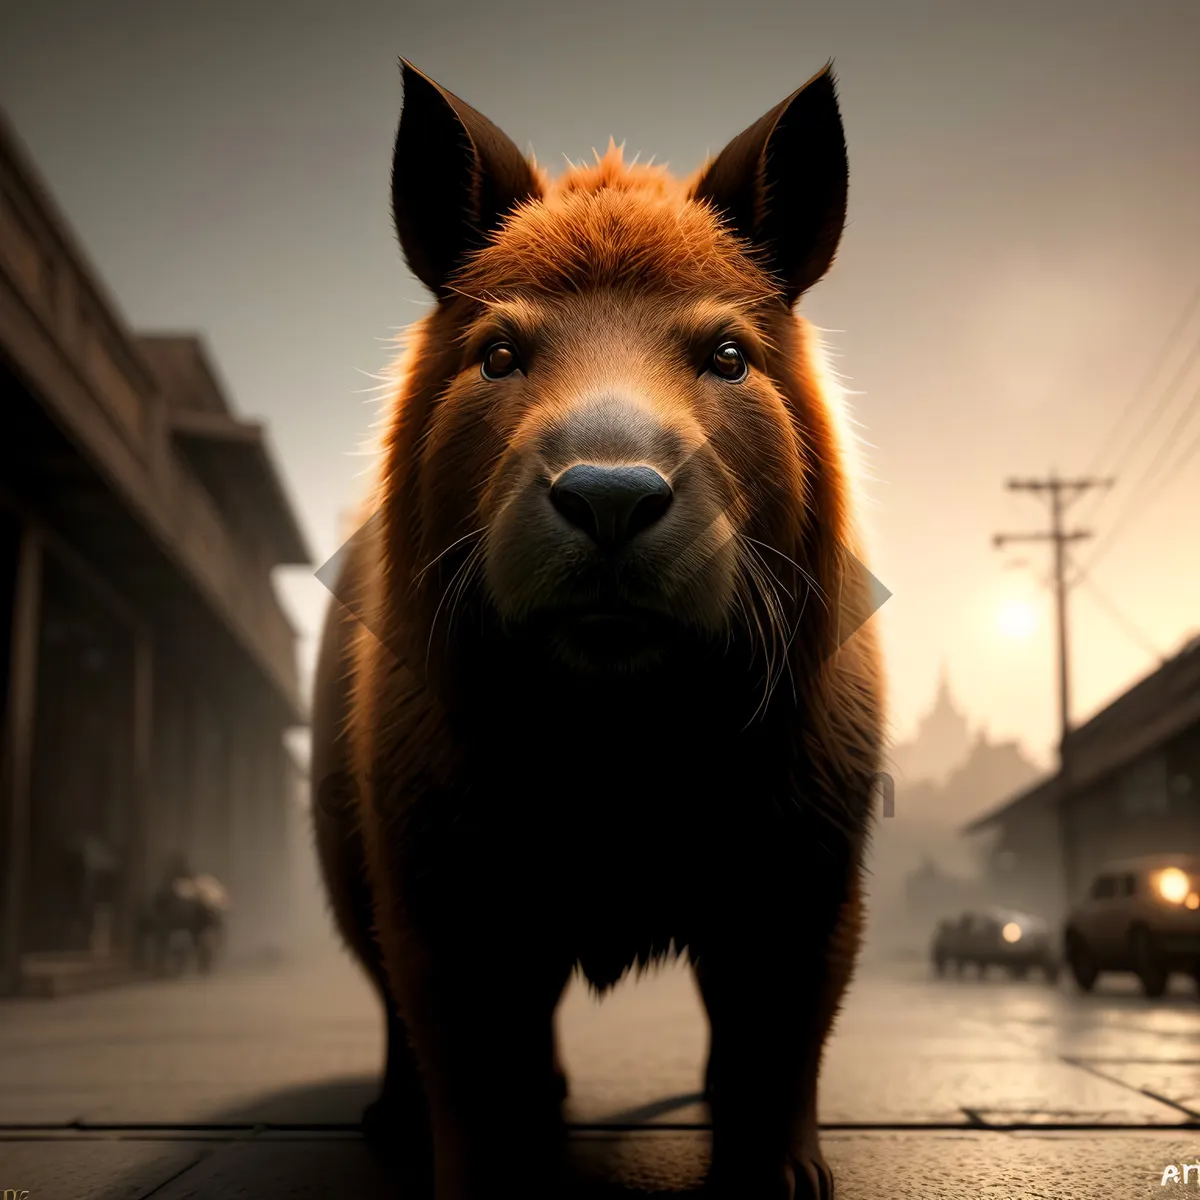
(1173, 885)
(1011, 932)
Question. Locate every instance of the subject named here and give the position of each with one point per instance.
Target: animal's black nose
(611, 505)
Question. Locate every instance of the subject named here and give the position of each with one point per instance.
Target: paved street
(249, 1084)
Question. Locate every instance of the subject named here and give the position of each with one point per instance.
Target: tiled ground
(204, 1088)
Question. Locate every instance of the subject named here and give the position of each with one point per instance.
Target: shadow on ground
(305, 1142)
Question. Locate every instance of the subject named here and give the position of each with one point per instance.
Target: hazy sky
(1025, 230)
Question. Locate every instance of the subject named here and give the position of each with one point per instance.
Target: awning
(232, 460)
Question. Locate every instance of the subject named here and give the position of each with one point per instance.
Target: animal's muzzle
(612, 505)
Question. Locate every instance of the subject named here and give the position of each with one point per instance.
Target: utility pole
(1060, 492)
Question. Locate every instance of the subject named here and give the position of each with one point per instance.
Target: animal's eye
(500, 359)
(729, 363)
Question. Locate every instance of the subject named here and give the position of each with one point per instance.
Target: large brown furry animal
(590, 697)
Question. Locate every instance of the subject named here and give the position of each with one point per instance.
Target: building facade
(147, 670)
(1129, 785)
(1021, 846)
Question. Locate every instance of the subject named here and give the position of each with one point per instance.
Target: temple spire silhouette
(943, 739)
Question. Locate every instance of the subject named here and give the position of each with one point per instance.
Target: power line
(1180, 463)
(1163, 404)
(1130, 630)
(1157, 363)
(1133, 507)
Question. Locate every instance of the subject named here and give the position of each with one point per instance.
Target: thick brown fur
(494, 809)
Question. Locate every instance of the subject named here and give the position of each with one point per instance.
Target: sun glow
(1017, 619)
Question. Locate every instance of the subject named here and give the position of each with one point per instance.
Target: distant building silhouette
(945, 776)
(940, 745)
(992, 770)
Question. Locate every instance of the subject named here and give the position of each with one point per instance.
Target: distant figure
(92, 871)
(190, 906)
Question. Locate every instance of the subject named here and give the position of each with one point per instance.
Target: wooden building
(1130, 785)
(147, 670)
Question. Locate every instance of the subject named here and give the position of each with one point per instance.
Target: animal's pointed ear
(782, 184)
(455, 176)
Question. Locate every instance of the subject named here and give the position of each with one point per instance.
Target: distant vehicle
(1140, 915)
(998, 937)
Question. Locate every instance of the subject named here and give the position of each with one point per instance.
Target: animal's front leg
(398, 1119)
(485, 1044)
(478, 989)
(771, 999)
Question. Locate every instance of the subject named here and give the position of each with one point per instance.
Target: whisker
(805, 575)
(774, 666)
(769, 592)
(457, 542)
(465, 576)
(442, 601)
(768, 602)
(752, 544)
(787, 650)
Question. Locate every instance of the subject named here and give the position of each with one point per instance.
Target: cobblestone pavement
(250, 1083)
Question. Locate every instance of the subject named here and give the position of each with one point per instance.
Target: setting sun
(1017, 619)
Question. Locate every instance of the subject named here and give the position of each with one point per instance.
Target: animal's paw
(805, 1175)
(813, 1178)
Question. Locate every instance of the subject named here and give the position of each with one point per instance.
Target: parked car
(1140, 915)
(998, 937)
